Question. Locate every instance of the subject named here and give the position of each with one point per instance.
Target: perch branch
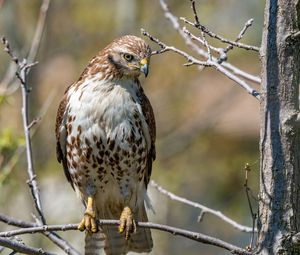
(175, 231)
(203, 208)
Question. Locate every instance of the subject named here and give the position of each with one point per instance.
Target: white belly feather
(107, 142)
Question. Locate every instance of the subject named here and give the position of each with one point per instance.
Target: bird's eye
(128, 57)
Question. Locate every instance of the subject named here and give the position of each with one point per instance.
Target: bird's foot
(127, 223)
(89, 219)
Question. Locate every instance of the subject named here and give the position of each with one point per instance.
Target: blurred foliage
(9, 145)
(207, 126)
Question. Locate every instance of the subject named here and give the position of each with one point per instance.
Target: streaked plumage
(105, 131)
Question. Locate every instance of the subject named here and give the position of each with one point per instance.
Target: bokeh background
(208, 127)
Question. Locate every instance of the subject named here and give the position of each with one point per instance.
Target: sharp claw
(127, 224)
(81, 225)
(89, 219)
(87, 222)
(94, 227)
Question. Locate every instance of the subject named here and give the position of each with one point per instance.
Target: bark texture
(279, 206)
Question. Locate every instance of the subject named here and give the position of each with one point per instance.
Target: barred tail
(94, 243)
(140, 241)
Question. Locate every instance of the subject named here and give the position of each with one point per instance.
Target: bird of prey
(105, 132)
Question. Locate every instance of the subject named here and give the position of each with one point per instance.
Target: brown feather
(149, 116)
(61, 157)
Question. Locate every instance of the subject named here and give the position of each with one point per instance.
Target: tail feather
(116, 244)
(141, 241)
(94, 243)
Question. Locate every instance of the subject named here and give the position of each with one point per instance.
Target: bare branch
(202, 32)
(239, 37)
(247, 169)
(12, 69)
(211, 34)
(241, 34)
(209, 63)
(198, 39)
(34, 122)
(222, 39)
(55, 238)
(234, 70)
(16, 246)
(36, 41)
(14, 222)
(175, 231)
(175, 23)
(22, 76)
(61, 243)
(202, 207)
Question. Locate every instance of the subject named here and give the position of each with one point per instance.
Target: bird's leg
(89, 219)
(127, 223)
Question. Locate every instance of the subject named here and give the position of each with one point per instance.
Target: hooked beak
(144, 66)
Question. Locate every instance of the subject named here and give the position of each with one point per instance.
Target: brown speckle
(87, 141)
(111, 144)
(79, 130)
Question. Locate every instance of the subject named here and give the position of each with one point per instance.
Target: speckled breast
(104, 150)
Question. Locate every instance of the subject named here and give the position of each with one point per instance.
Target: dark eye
(128, 57)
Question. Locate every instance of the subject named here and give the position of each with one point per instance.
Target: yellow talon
(127, 223)
(89, 219)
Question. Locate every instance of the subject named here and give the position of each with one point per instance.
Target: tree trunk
(279, 206)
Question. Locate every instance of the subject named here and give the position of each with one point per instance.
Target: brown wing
(61, 136)
(149, 116)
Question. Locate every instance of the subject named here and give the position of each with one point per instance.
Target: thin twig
(195, 38)
(9, 77)
(193, 61)
(202, 32)
(16, 246)
(247, 169)
(175, 23)
(36, 41)
(240, 35)
(220, 38)
(175, 231)
(204, 209)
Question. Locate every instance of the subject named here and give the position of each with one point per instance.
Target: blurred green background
(208, 127)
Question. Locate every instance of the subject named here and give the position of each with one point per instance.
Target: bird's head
(130, 56)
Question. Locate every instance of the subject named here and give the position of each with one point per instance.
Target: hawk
(105, 132)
